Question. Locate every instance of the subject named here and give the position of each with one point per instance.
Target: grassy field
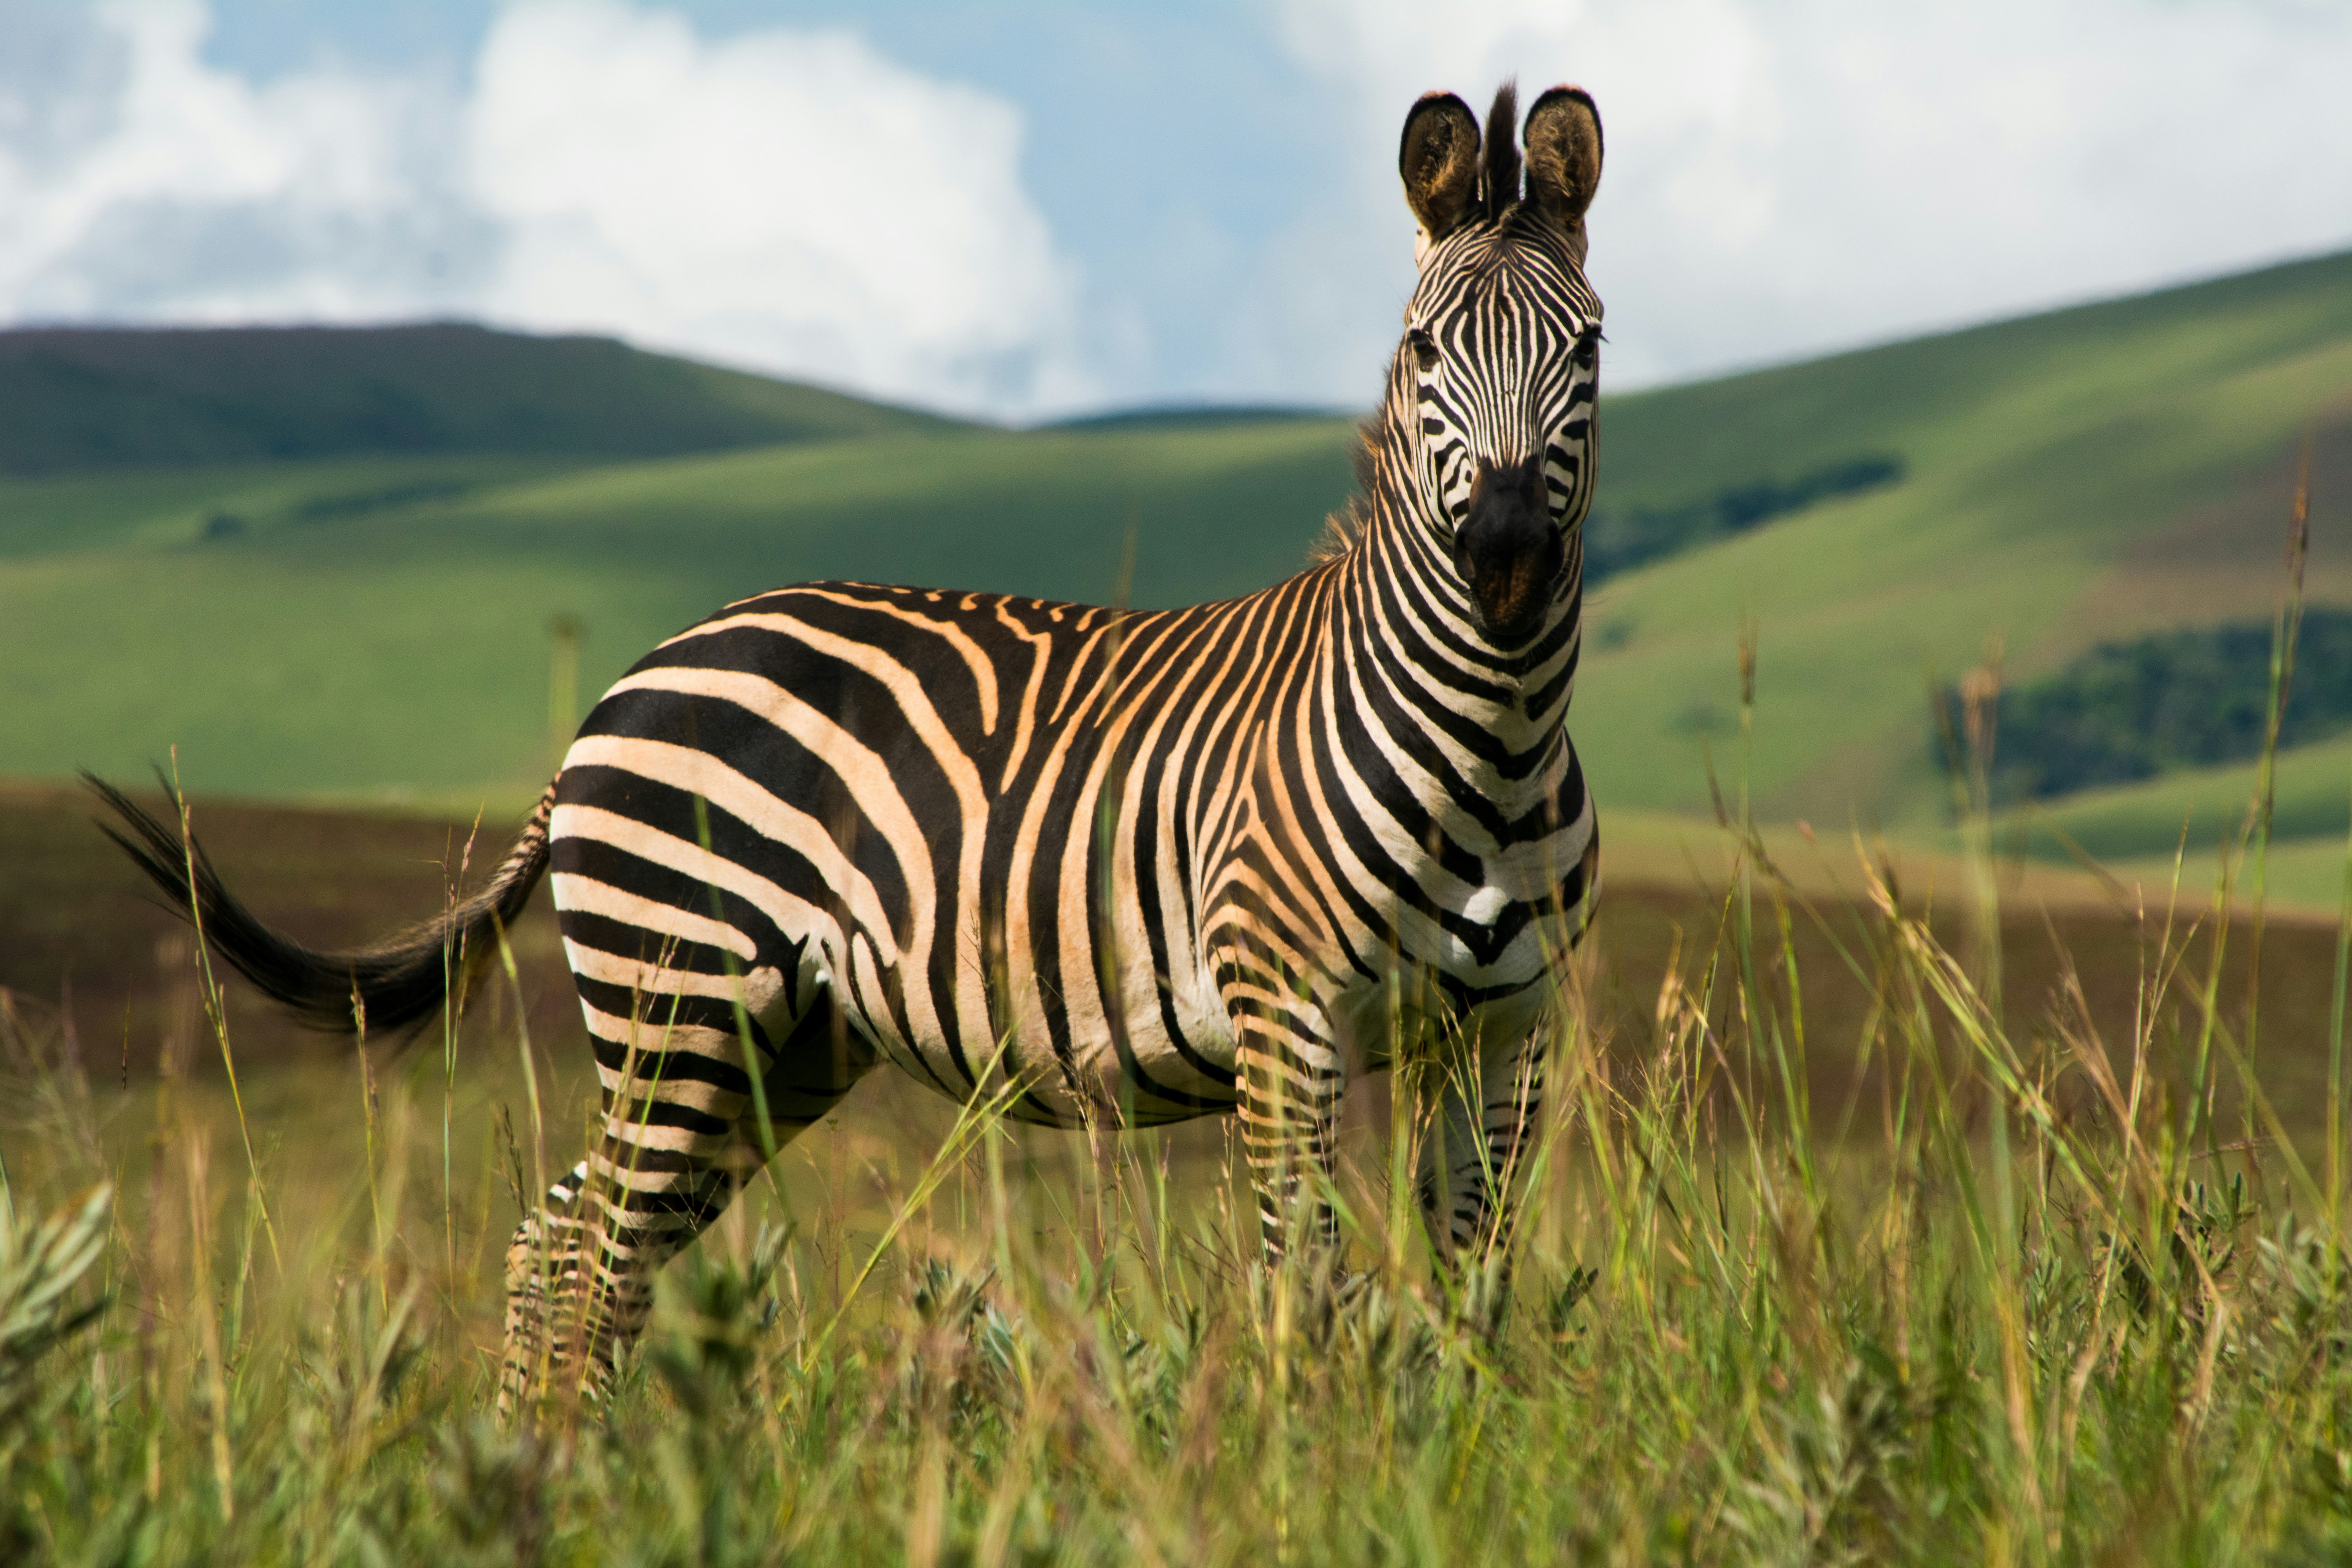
(1842, 1243)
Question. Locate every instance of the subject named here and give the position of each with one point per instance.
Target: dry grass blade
(43, 1263)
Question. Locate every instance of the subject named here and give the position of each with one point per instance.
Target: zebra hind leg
(669, 1158)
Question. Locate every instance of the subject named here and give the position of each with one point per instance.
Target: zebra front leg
(1291, 1078)
(1488, 1106)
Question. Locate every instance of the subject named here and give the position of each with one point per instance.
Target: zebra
(1118, 867)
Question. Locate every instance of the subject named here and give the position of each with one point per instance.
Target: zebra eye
(1424, 348)
(1588, 348)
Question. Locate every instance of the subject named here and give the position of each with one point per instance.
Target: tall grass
(2028, 1287)
(2013, 1298)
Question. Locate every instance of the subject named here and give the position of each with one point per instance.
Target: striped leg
(1484, 1125)
(681, 1132)
(1291, 1080)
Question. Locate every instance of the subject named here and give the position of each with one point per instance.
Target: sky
(1022, 211)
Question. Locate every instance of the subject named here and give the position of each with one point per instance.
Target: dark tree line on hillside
(1618, 539)
(2187, 698)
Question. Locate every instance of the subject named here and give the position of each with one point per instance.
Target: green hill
(369, 623)
(100, 398)
(2068, 478)
(378, 627)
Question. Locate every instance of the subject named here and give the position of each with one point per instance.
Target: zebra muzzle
(1509, 550)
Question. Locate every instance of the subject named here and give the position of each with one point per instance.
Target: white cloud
(786, 199)
(137, 181)
(1784, 176)
(783, 200)
(1796, 175)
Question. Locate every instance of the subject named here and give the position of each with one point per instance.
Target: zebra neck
(1405, 618)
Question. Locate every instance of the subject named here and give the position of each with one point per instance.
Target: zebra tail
(397, 984)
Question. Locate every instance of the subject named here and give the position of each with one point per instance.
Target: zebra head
(1494, 386)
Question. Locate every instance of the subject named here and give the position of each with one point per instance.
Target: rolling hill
(373, 623)
(79, 399)
(2070, 478)
(377, 627)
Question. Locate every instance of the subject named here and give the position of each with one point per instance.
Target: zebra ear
(1563, 141)
(1439, 162)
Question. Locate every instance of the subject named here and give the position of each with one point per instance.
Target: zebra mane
(1344, 527)
(1499, 157)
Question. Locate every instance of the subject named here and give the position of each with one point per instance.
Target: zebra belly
(679, 877)
(1135, 1048)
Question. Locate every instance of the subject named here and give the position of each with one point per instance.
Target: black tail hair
(400, 981)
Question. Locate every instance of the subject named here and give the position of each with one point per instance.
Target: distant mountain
(74, 398)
